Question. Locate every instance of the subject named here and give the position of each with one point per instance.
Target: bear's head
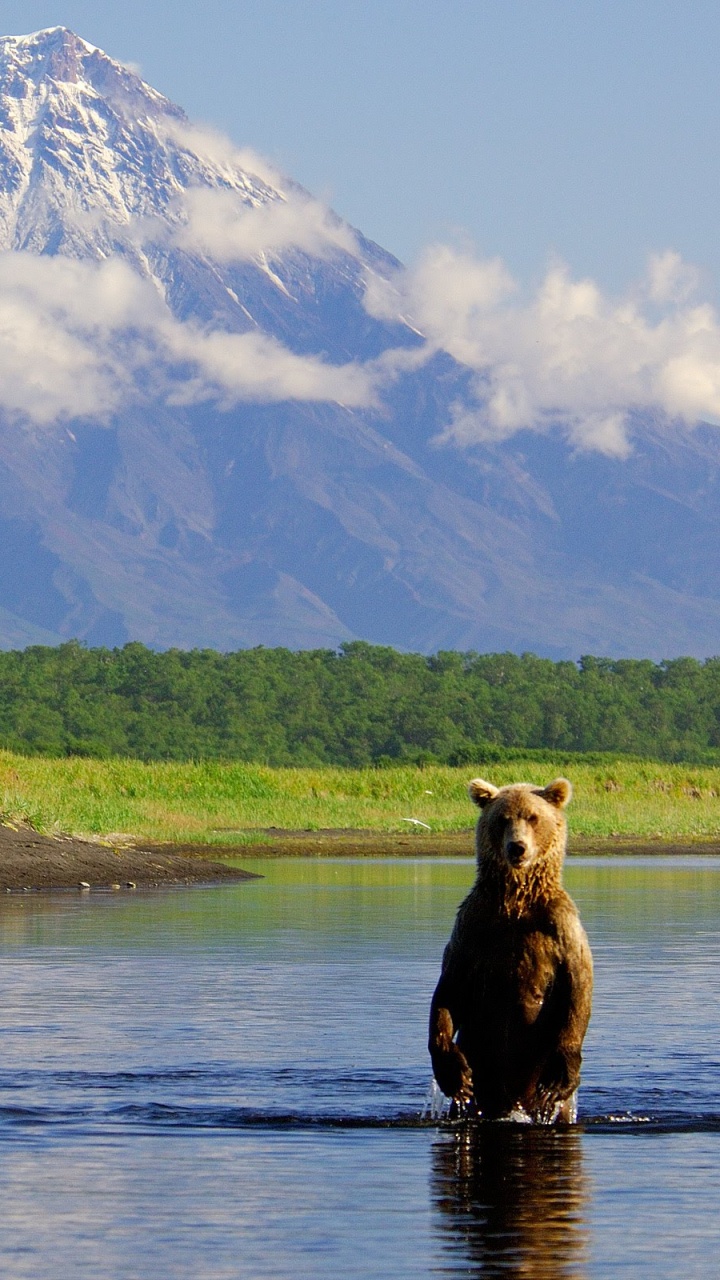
(521, 828)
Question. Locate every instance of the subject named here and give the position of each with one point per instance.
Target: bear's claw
(453, 1073)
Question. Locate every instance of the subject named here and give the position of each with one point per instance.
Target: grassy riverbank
(231, 803)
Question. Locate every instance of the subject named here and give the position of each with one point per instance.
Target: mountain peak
(47, 60)
(86, 145)
(48, 38)
(55, 53)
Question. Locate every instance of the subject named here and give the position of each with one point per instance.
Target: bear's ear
(481, 792)
(557, 792)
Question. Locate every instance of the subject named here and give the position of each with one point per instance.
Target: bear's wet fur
(512, 1005)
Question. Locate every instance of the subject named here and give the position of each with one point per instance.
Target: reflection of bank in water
(511, 1201)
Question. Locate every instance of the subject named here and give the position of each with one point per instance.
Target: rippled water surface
(228, 1082)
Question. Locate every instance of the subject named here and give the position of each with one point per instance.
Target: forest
(360, 705)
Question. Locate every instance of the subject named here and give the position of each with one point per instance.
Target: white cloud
(568, 355)
(57, 321)
(670, 279)
(215, 222)
(135, 68)
(253, 366)
(219, 153)
(75, 336)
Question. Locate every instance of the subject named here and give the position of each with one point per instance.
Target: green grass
(215, 802)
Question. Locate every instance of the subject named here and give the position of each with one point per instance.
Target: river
(228, 1082)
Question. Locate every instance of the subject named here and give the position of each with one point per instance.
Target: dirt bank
(457, 844)
(29, 860)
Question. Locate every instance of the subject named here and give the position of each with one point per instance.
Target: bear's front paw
(452, 1072)
(560, 1075)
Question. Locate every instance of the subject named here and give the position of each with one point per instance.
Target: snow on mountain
(207, 439)
(86, 146)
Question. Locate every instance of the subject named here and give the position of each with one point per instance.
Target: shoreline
(276, 843)
(30, 861)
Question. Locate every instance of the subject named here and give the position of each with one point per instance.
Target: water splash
(436, 1106)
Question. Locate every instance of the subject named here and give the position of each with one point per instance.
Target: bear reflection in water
(511, 1201)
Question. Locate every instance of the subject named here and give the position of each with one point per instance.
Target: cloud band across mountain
(569, 354)
(82, 334)
(80, 339)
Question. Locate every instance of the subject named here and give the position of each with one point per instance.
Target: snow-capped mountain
(207, 439)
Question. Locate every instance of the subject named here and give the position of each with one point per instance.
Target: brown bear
(516, 981)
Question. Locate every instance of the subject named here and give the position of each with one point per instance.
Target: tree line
(360, 705)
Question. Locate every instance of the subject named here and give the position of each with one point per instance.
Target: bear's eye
(533, 819)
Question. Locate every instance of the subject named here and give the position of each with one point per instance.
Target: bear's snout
(516, 850)
(519, 844)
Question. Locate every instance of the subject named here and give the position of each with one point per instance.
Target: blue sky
(527, 128)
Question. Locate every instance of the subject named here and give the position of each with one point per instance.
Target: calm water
(227, 1082)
